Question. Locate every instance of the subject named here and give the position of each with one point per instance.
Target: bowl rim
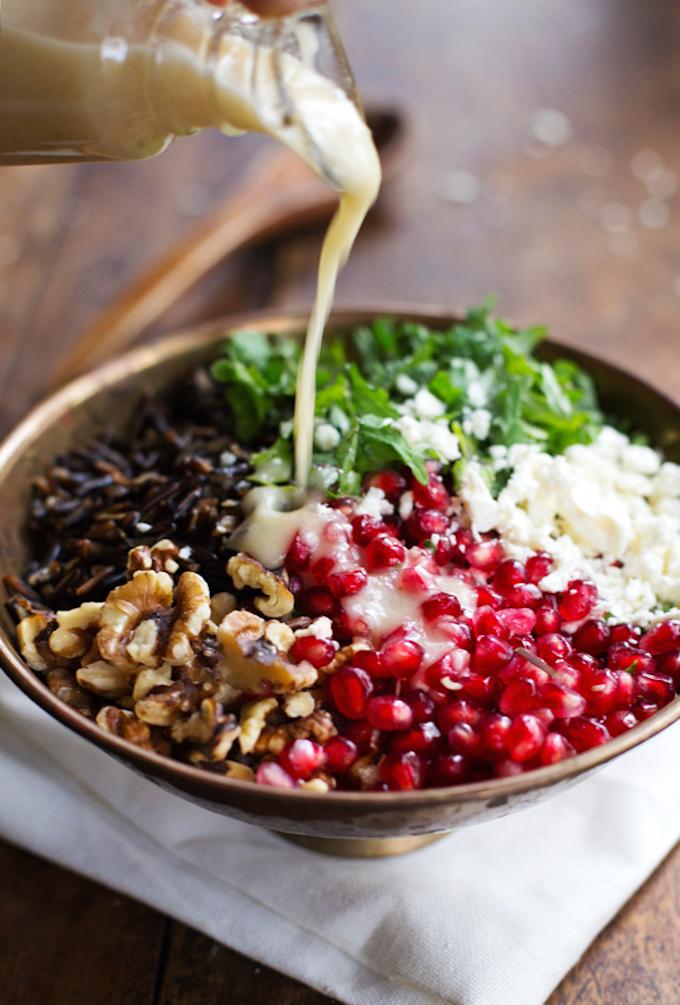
(288, 321)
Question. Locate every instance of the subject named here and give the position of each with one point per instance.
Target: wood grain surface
(564, 235)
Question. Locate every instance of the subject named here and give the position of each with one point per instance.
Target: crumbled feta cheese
(320, 628)
(406, 505)
(375, 504)
(476, 394)
(477, 423)
(184, 552)
(406, 385)
(326, 436)
(608, 502)
(143, 528)
(424, 405)
(286, 428)
(426, 434)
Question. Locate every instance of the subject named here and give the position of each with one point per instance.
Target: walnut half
(247, 572)
(251, 662)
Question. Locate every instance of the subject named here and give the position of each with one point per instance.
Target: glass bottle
(120, 79)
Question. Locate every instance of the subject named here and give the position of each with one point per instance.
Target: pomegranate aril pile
(442, 691)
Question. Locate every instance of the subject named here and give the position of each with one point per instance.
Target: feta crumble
(375, 504)
(430, 435)
(608, 511)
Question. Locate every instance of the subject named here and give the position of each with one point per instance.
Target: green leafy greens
(362, 381)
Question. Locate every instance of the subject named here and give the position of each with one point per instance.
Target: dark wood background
(542, 236)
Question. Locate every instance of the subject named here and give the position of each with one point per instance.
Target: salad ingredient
(608, 511)
(401, 393)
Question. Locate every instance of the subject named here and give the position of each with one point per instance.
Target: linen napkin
(496, 912)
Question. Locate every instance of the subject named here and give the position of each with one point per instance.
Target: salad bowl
(339, 822)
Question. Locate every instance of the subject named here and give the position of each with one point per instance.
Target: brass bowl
(339, 822)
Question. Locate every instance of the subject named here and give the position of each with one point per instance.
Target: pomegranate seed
(346, 584)
(655, 687)
(661, 638)
(448, 769)
(459, 633)
(521, 695)
(302, 758)
(298, 555)
(444, 675)
(670, 664)
(341, 754)
(548, 620)
(485, 554)
(486, 597)
(544, 716)
(401, 658)
(494, 733)
(644, 709)
(319, 602)
(441, 605)
(413, 579)
(592, 637)
(389, 713)
(561, 700)
(321, 569)
(555, 749)
(344, 505)
(624, 633)
(271, 773)
(318, 652)
(402, 771)
(524, 738)
(350, 689)
(625, 689)
(365, 528)
(431, 496)
(347, 627)
(486, 621)
(364, 737)
(577, 600)
(538, 566)
(620, 722)
(421, 705)
(384, 552)
(491, 654)
(601, 691)
(464, 739)
(424, 738)
(479, 688)
(423, 523)
(517, 620)
(390, 482)
(624, 657)
(568, 675)
(445, 551)
(523, 595)
(584, 663)
(584, 733)
(508, 574)
(507, 768)
(369, 660)
(452, 712)
(553, 646)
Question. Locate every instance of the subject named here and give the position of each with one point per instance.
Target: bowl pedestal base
(363, 847)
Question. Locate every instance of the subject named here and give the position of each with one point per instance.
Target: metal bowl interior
(105, 399)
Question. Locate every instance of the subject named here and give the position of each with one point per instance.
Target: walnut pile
(166, 666)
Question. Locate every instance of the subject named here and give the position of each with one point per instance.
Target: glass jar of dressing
(102, 80)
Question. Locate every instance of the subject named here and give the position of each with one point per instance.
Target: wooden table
(554, 231)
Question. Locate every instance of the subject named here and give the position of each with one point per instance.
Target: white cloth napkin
(496, 912)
